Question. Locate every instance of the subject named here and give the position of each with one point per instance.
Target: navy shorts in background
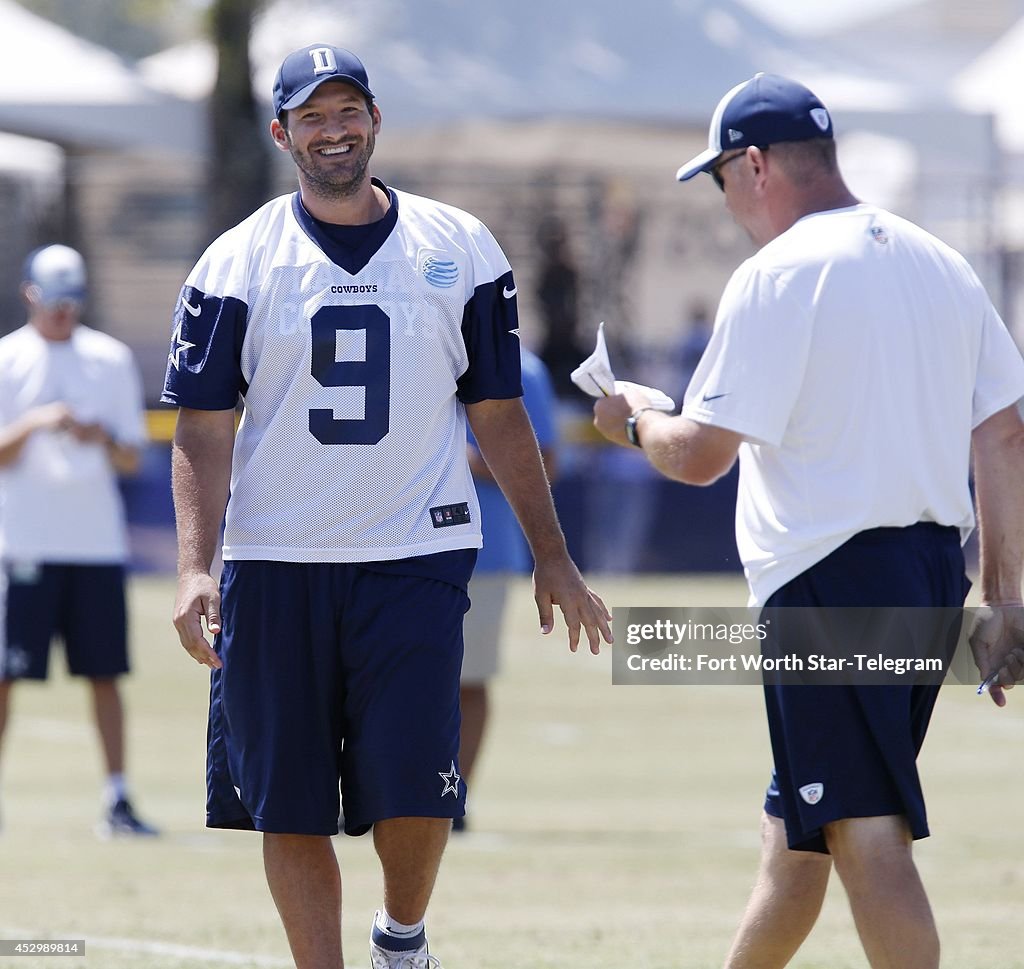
(83, 605)
(851, 751)
(337, 674)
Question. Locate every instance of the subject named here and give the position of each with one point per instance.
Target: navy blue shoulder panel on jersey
(341, 251)
(490, 330)
(204, 364)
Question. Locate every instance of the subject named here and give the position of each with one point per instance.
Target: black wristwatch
(631, 432)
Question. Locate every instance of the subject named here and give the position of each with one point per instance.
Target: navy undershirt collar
(349, 246)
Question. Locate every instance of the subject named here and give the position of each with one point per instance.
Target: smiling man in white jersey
(361, 327)
(855, 362)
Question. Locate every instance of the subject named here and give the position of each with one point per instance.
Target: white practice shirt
(855, 353)
(59, 500)
(355, 366)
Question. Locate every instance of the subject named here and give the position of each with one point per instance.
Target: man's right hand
(198, 596)
(53, 417)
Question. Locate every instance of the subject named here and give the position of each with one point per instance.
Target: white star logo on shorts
(451, 781)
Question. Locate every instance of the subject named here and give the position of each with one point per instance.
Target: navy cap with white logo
(765, 110)
(57, 273)
(304, 70)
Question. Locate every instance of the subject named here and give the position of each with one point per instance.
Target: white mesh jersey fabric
(352, 430)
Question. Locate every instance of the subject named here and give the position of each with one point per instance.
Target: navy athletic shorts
(850, 751)
(83, 605)
(337, 675)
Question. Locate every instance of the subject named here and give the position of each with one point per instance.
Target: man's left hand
(997, 641)
(560, 584)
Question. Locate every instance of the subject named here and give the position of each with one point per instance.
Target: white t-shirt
(59, 500)
(354, 365)
(855, 353)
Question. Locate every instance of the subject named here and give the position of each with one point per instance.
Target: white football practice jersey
(353, 364)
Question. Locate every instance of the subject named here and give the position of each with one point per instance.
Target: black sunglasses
(714, 172)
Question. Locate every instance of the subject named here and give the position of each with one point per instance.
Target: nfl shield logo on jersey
(812, 793)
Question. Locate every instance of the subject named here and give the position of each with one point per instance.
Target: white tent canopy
(992, 84)
(42, 61)
(31, 158)
(433, 64)
(64, 89)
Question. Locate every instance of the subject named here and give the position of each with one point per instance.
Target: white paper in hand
(594, 376)
(658, 399)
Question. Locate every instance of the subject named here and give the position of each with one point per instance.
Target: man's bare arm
(509, 446)
(48, 417)
(201, 479)
(998, 452)
(681, 449)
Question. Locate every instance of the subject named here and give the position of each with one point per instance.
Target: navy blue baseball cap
(57, 273)
(304, 70)
(765, 110)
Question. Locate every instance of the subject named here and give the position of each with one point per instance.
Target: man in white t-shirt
(71, 420)
(855, 362)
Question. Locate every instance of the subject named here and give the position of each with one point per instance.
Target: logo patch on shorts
(27, 573)
(16, 662)
(812, 793)
(451, 781)
(444, 515)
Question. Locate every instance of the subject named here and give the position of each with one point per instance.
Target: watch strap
(632, 434)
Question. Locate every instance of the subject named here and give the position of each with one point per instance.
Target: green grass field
(612, 827)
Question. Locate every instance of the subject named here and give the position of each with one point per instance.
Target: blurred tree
(239, 174)
(132, 28)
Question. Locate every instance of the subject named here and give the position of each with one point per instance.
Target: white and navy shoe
(120, 820)
(390, 952)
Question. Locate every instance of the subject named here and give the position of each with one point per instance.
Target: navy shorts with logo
(83, 605)
(849, 751)
(337, 675)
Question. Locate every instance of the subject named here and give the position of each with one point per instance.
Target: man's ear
(31, 294)
(280, 135)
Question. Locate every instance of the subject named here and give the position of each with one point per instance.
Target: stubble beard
(333, 186)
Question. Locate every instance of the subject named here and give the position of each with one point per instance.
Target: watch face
(631, 432)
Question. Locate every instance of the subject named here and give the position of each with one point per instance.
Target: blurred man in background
(71, 420)
(505, 554)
